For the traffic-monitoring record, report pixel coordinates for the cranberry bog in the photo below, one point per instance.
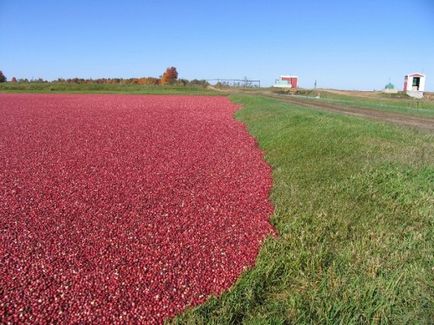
(131, 209)
(124, 208)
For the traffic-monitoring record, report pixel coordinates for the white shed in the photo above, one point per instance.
(414, 84)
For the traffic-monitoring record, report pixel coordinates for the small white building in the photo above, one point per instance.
(286, 82)
(414, 84)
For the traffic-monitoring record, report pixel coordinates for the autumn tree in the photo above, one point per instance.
(2, 77)
(169, 76)
(14, 80)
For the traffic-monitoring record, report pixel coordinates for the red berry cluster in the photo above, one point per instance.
(122, 208)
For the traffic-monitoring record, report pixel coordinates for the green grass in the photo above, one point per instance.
(354, 208)
(384, 102)
(94, 88)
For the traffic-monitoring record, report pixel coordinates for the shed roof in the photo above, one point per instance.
(415, 74)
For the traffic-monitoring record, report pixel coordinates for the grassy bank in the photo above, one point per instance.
(354, 208)
(94, 88)
(384, 102)
(399, 103)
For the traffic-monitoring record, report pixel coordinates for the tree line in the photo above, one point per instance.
(169, 77)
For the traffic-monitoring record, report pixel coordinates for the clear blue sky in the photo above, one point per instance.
(343, 44)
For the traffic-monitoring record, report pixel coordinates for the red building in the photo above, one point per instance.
(292, 80)
(287, 82)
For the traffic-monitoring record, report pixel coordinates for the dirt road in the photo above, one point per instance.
(392, 117)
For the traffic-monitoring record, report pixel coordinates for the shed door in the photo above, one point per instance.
(416, 83)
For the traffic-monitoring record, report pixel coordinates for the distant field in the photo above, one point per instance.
(93, 88)
(385, 102)
(377, 101)
(354, 211)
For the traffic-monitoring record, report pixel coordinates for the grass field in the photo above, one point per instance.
(384, 102)
(398, 103)
(35, 87)
(354, 209)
